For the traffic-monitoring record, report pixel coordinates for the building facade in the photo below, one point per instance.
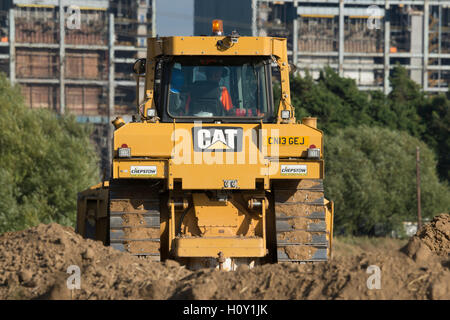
(360, 39)
(80, 64)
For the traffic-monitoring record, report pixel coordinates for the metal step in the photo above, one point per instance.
(121, 236)
(312, 215)
(300, 223)
(125, 221)
(313, 254)
(153, 256)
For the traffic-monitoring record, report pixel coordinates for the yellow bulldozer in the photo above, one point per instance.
(209, 172)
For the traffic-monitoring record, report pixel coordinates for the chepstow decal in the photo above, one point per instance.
(217, 139)
(143, 170)
(294, 170)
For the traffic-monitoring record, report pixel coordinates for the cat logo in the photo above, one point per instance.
(228, 139)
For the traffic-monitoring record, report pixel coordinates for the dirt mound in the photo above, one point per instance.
(34, 263)
(346, 278)
(431, 238)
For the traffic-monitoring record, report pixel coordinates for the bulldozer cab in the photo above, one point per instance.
(212, 89)
(213, 78)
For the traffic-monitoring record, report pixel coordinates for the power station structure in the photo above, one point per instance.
(360, 39)
(75, 56)
(81, 64)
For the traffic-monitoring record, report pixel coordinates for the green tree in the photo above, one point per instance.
(370, 174)
(405, 99)
(436, 117)
(44, 161)
(337, 103)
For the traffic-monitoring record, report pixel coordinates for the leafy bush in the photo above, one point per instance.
(337, 103)
(371, 176)
(44, 162)
(436, 115)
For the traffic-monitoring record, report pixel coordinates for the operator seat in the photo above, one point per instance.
(205, 97)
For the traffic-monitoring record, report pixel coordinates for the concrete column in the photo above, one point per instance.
(12, 47)
(341, 37)
(153, 18)
(62, 58)
(254, 18)
(417, 46)
(426, 17)
(111, 66)
(440, 43)
(387, 45)
(295, 36)
(110, 86)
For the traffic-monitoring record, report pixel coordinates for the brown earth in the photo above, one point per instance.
(433, 238)
(33, 265)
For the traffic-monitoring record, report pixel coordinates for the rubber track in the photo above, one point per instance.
(134, 220)
(300, 222)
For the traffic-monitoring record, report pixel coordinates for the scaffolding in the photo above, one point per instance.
(355, 38)
(85, 71)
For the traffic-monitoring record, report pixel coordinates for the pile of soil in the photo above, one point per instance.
(34, 262)
(432, 239)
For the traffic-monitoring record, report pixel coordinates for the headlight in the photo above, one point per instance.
(151, 113)
(285, 114)
(313, 152)
(124, 152)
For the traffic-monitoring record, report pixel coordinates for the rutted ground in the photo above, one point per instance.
(33, 265)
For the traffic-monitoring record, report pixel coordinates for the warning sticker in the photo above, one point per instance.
(143, 170)
(294, 170)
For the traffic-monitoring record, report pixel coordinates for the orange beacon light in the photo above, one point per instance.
(217, 27)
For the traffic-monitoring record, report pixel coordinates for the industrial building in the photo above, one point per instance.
(360, 39)
(80, 64)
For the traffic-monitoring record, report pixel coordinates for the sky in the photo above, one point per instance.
(175, 17)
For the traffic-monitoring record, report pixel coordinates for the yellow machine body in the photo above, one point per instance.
(248, 202)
